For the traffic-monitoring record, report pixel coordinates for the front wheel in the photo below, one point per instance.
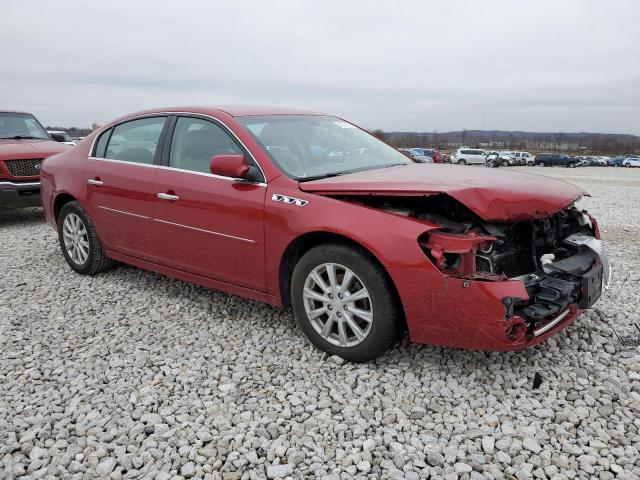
(505, 163)
(79, 241)
(572, 165)
(530, 164)
(627, 164)
(345, 303)
(462, 162)
(541, 164)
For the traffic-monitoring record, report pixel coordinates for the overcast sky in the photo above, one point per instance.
(397, 65)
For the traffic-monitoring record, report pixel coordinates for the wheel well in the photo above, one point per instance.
(59, 202)
(306, 242)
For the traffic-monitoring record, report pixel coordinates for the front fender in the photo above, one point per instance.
(391, 238)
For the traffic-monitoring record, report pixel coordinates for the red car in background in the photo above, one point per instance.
(24, 144)
(434, 154)
(304, 209)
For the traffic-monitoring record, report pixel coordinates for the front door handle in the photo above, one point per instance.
(168, 196)
(94, 181)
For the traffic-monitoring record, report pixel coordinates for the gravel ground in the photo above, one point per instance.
(133, 375)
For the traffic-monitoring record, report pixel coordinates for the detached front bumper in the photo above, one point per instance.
(504, 315)
(19, 194)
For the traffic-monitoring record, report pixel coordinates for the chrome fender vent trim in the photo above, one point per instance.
(298, 202)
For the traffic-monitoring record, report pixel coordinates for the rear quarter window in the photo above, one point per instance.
(101, 145)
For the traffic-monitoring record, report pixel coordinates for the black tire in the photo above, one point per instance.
(530, 164)
(541, 164)
(627, 165)
(505, 163)
(96, 260)
(462, 162)
(387, 319)
(571, 165)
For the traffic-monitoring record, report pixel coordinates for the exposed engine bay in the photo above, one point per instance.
(557, 257)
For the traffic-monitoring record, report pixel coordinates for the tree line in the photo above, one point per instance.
(515, 140)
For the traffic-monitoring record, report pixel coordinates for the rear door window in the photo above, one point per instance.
(136, 141)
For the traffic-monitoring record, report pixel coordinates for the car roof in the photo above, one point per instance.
(230, 110)
(16, 111)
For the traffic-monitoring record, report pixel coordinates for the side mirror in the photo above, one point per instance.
(57, 137)
(234, 166)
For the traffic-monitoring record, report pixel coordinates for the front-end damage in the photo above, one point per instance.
(557, 262)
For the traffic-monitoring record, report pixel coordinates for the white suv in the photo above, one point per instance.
(469, 156)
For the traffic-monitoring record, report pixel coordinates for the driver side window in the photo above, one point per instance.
(195, 141)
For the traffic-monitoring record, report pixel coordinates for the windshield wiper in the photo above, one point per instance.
(22, 137)
(324, 175)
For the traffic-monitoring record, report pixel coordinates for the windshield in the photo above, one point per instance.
(20, 126)
(314, 146)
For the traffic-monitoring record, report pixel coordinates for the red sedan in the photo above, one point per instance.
(308, 210)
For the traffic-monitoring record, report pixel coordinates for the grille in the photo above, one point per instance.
(24, 168)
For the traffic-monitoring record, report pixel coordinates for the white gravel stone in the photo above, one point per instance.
(131, 374)
(280, 471)
(488, 444)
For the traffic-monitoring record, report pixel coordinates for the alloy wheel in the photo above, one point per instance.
(76, 239)
(338, 305)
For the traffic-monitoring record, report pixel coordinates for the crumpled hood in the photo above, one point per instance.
(15, 149)
(494, 195)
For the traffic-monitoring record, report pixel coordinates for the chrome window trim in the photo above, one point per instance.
(204, 174)
(126, 162)
(164, 114)
(163, 167)
(248, 240)
(123, 212)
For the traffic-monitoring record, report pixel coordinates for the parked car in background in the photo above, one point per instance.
(631, 162)
(506, 159)
(616, 161)
(61, 136)
(434, 154)
(415, 154)
(523, 158)
(553, 160)
(24, 144)
(469, 156)
(362, 242)
(493, 159)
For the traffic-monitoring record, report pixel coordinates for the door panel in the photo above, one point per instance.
(206, 224)
(120, 181)
(214, 228)
(120, 201)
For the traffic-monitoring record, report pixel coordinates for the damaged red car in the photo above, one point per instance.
(308, 210)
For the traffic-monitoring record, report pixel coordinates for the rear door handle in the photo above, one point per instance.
(168, 196)
(95, 181)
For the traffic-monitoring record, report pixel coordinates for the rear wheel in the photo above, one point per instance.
(79, 241)
(530, 164)
(505, 163)
(345, 303)
(627, 164)
(572, 165)
(541, 164)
